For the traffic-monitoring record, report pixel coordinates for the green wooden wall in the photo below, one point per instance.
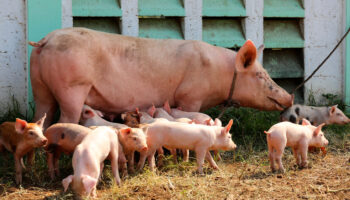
(43, 17)
(284, 43)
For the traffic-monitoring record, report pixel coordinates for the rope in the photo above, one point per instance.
(329, 55)
(229, 102)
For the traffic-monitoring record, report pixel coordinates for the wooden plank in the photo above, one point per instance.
(161, 28)
(224, 8)
(224, 32)
(105, 24)
(161, 8)
(284, 63)
(282, 33)
(96, 8)
(42, 18)
(283, 8)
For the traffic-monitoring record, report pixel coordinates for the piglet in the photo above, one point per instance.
(21, 138)
(197, 137)
(316, 115)
(298, 137)
(133, 139)
(90, 117)
(62, 137)
(197, 117)
(88, 158)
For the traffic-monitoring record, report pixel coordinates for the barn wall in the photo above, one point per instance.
(13, 57)
(321, 23)
(324, 26)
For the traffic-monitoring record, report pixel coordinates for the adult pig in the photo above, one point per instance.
(115, 73)
(316, 115)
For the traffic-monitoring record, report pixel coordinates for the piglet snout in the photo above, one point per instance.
(44, 142)
(144, 149)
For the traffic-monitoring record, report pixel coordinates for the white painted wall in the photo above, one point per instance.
(13, 58)
(324, 26)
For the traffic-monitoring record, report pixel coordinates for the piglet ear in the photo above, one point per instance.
(167, 107)
(123, 116)
(318, 129)
(126, 131)
(99, 113)
(151, 110)
(89, 183)
(217, 122)
(228, 126)
(66, 182)
(88, 113)
(305, 122)
(207, 122)
(41, 121)
(332, 110)
(145, 129)
(20, 125)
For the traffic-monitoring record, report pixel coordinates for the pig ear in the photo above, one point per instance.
(217, 122)
(332, 110)
(126, 131)
(167, 107)
(145, 129)
(318, 129)
(228, 126)
(260, 50)
(151, 110)
(207, 122)
(89, 183)
(99, 113)
(88, 113)
(123, 116)
(20, 125)
(246, 55)
(137, 111)
(66, 182)
(305, 122)
(41, 121)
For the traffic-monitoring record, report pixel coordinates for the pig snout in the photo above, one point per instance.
(144, 148)
(326, 142)
(44, 142)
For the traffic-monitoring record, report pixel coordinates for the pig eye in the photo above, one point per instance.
(338, 114)
(31, 133)
(134, 138)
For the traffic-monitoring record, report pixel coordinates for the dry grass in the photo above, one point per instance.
(327, 178)
(244, 174)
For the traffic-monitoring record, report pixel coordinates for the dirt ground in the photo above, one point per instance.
(326, 178)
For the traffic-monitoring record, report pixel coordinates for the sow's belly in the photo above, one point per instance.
(121, 97)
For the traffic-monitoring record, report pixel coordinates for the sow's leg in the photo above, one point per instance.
(71, 100)
(45, 101)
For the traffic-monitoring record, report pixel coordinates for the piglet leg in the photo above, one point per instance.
(18, 167)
